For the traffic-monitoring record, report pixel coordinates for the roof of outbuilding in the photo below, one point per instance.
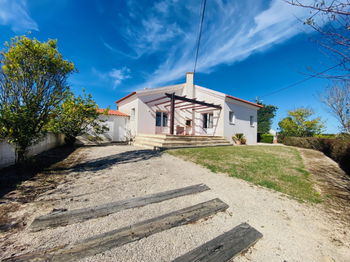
(112, 112)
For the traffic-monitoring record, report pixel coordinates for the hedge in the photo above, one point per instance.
(336, 148)
(266, 138)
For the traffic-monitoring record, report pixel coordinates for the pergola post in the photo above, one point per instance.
(172, 113)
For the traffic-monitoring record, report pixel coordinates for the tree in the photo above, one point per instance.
(297, 123)
(332, 20)
(76, 116)
(337, 99)
(33, 78)
(265, 117)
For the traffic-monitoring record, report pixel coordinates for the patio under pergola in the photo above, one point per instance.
(176, 102)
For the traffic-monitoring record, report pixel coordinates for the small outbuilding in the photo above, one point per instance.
(117, 123)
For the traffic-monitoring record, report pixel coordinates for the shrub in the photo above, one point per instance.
(239, 138)
(336, 148)
(326, 136)
(266, 138)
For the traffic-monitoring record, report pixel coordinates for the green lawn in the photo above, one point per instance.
(276, 167)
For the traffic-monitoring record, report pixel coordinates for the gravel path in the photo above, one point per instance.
(292, 231)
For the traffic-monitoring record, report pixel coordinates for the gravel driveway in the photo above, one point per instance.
(292, 231)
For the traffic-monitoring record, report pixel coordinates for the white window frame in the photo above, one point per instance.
(232, 120)
(133, 113)
(162, 123)
(210, 120)
(251, 120)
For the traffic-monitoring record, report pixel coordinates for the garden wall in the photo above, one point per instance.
(7, 151)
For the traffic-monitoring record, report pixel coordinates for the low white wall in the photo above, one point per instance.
(8, 155)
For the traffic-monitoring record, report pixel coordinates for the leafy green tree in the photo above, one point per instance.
(265, 117)
(298, 123)
(33, 78)
(76, 116)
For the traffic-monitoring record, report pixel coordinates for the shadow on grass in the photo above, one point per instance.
(115, 159)
(12, 176)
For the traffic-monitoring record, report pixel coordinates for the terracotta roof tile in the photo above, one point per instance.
(112, 112)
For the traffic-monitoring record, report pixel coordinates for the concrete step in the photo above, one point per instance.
(156, 139)
(192, 146)
(144, 140)
(195, 142)
(170, 141)
(175, 137)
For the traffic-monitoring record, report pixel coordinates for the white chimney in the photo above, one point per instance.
(190, 91)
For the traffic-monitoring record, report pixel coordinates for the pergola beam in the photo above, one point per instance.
(165, 102)
(178, 103)
(193, 101)
(156, 99)
(193, 107)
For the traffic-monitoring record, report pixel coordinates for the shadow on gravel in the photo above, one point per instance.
(12, 176)
(116, 159)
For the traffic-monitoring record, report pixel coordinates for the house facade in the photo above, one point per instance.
(188, 109)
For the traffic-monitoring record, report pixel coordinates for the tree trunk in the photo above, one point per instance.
(21, 155)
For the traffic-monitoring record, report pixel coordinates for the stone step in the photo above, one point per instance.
(183, 145)
(174, 137)
(142, 140)
(195, 143)
(191, 146)
(172, 141)
(156, 139)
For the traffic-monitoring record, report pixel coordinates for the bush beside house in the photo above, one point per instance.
(266, 138)
(336, 148)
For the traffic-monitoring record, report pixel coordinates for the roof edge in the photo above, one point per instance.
(125, 97)
(244, 101)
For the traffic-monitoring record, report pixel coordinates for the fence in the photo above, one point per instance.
(8, 155)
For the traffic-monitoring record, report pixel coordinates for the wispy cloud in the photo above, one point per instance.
(114, 76)
(15, 14)
(149, 31)
(233, 30)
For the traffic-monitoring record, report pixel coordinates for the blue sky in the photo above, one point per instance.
(249, 48)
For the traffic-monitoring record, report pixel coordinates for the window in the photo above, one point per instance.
(161, 119)
(165, 119)
(251, 119)
(132, 118)
(158, 118)
(208, 120)
(231, 117)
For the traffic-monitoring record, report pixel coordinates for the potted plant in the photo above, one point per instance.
(239, 139)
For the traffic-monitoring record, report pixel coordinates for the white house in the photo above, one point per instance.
(189, 110)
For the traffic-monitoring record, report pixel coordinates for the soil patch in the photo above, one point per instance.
(331, 181)
(22, 185)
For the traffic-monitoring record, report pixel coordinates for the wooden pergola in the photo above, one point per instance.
(182, 103)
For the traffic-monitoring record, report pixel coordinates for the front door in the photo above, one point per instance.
(162, 126)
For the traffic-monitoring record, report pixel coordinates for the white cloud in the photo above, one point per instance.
(114, 76)
(15, 14)
(118, 75)
(233, 30)
(147, 31)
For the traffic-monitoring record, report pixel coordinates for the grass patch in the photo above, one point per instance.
(276, 167)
